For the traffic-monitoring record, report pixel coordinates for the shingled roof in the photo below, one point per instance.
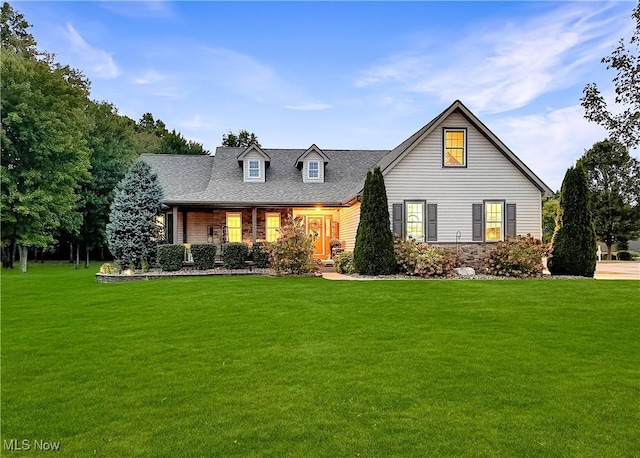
(218, 180)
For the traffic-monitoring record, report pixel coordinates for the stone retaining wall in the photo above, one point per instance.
(471, 254)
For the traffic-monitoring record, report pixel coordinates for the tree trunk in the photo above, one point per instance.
(24, 253)
(609, 245)
(71, 252)
(86, 264)
(77, 256)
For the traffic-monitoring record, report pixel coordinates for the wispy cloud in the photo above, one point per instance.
(151, 76)
(549, 142)
(139, 9)
(309, 107)
(496, 70)
(96, 62)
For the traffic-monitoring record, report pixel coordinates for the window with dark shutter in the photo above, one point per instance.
(432, 222)
(476, 216)
(511, 220)
(398, 220)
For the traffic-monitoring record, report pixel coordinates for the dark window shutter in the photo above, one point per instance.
(398, 220)
(511, 220)
(477, 222)
(432, 222)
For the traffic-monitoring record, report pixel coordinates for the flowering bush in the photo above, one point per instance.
(292, 252)
(424, 261)
(344, 263)
(520, 257)
(109, 268)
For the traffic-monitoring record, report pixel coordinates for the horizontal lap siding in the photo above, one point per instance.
(198, 224)
(488, 175)
(349, 219)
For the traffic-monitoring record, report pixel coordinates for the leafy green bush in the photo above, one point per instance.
(234, 255)
(292, 253)
(424, 261)
(343, 263)
(520, 257)
(259, 255)
(170, 257)
(624, 256)
(204, 256)
(110, 268)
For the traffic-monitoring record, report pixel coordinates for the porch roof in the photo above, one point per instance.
(344, 178)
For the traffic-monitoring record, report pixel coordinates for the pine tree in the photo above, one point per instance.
(373, 253)
(133, 231)
(574, 240)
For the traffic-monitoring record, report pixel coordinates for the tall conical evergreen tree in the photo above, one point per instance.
(373, 253)
(133, 230)
(574, 240)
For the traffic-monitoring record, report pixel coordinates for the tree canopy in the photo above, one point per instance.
(154, 137)
(244, 139)
(614, 184)
(623, 121)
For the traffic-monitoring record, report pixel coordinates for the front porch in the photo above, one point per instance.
(184, 225)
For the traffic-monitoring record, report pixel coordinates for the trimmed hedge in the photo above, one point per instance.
(204, 256)
(110, 268)
(234, 255)
(170, 257)
(260, 257)
(343, 263)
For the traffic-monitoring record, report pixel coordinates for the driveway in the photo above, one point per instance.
(617, 270)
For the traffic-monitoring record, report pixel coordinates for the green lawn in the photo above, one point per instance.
(308, 367)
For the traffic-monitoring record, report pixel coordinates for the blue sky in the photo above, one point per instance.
(357, 75)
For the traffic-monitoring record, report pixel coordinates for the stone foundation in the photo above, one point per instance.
(471, 254)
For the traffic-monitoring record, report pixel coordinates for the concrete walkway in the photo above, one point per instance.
(605, 270)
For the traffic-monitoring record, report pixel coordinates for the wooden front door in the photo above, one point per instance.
(315, 230)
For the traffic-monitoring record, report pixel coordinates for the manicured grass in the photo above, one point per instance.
(308, 367)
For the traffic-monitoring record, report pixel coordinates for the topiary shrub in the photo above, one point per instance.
(204, 256)
(169, 257)
(234, 255)
(520, 257)
(421, 260)
(574, 241)
(260, 255)
(292, 252)
(110, 268)
(373, 253)
(343, 263)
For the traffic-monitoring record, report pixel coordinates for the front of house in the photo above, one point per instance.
(452, 183)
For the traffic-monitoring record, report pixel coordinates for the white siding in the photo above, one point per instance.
(197, 226)
(253, 156)
(305, 168)
(488, 176)
(349, 220)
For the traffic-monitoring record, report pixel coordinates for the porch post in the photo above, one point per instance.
(254, 224)
(175, 225)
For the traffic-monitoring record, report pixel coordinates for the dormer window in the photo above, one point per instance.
(254, 169)
(313, 163)
(314, 170)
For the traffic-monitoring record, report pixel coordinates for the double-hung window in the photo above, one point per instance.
(314, 169)
(454, 152)
(415, 221)
(254, 169)
(493, 221)
(234, 227)
(273, 226)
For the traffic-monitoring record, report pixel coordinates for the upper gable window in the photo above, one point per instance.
(314, 169)
(254, 169)
(454, 152)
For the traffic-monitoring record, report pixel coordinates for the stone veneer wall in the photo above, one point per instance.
(471, 254)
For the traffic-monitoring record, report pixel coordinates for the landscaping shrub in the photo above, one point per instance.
(169, 257)
(260, 255)
(109, 268)
(343, 263)
(204, 256)
(520, 257)
(574, 241)
(424, 261)
(624, 256)
(292, 253)
(234, 255)
(373, 253)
